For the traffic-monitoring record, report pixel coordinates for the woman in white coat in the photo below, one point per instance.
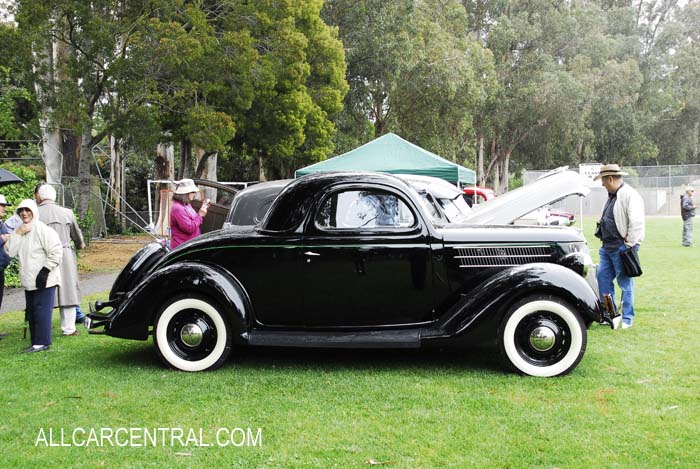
(39, 251)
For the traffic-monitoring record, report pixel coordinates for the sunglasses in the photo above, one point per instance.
(23, 209)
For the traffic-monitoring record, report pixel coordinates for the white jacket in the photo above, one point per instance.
(41, 247)
(629, 215)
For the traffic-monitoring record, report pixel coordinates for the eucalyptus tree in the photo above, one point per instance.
(376, 38)
(415, 69)
(671, 95)
(442, 85)
(76, 45)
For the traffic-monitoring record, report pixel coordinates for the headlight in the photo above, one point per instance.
(576, 257)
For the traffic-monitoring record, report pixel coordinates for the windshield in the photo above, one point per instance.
(456, 209)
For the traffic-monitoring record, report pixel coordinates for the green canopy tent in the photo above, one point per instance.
(392, 154)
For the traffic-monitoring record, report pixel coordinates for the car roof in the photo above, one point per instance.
(250, 204)
(292, 204)
(437, 187)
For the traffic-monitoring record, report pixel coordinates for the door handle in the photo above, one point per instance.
(311, 253)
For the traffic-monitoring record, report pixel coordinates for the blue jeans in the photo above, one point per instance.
(610, 268)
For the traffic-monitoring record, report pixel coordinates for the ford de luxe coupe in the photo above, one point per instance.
(355, 260)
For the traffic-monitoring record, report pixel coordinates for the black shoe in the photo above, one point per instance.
(80, 320)
(32, 349)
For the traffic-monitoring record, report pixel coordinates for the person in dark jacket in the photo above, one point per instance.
(621, 228)
(4, 257)
(688, 207)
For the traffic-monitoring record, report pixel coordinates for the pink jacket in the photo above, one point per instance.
(184, 223)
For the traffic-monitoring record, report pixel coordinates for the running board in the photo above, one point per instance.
(374, 339)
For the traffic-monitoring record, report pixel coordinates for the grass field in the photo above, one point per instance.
(632, 402)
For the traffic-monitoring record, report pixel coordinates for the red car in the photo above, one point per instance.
(477, 194)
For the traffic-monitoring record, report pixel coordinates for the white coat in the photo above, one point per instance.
(41, 247)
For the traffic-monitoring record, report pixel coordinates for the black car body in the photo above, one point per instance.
(352, 260)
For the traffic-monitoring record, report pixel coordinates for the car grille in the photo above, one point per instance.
(502, 256)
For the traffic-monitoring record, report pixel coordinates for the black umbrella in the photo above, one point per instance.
(8, 177)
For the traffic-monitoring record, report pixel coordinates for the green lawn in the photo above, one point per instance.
(632, 402)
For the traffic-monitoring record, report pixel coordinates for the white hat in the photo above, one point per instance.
(3, 200)
(690, 189)
(185, 186)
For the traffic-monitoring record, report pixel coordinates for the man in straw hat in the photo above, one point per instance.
(688, 207)
(621, 228)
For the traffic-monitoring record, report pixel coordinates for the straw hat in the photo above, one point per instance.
(610, 170)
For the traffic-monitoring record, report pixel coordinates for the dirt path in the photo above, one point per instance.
(89, 285)
(99, 266)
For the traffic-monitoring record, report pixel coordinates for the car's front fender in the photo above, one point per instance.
(487, 303)
(135, 312)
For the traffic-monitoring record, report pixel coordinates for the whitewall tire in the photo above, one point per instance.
(191, 334)
(542, 336)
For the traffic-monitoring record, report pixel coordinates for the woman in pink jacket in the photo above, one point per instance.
(184, 221)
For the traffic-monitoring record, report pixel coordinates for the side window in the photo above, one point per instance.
(366, 209)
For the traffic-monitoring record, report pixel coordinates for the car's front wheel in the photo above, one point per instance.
(542, 336)
(191, 334)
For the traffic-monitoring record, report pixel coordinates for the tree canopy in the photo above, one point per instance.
(263, 88)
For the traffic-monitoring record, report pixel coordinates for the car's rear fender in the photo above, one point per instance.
(134, 315)
(485, 305)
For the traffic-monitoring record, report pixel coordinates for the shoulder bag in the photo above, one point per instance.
(630, 262)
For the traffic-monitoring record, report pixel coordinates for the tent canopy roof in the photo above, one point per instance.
(392, 154)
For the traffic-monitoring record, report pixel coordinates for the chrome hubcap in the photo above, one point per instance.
(542, 338)
(191, 335)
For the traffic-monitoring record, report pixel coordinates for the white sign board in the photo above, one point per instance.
(589, 171)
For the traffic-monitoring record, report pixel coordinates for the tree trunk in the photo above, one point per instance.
(496, 178)
(51, 137)
(206, 169)
(492, 165)
(84, 163)
(261, 176)
(116, 181)
(53, 158)
(164, 169)
(185, 157)
(480, 161)
(505, 173)
(696, 141)
(579, 151)
(71, 148)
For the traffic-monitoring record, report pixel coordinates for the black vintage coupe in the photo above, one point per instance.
(354, 260)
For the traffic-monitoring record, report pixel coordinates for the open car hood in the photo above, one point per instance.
(549, 188)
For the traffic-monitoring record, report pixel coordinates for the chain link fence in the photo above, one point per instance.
(659, 186)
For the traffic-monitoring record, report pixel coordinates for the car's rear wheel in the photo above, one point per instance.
(542, 336)
(191, 334)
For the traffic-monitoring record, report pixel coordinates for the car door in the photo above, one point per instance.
(366, 261)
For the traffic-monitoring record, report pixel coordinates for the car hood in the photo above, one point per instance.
(550, 188)
(454, 233)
